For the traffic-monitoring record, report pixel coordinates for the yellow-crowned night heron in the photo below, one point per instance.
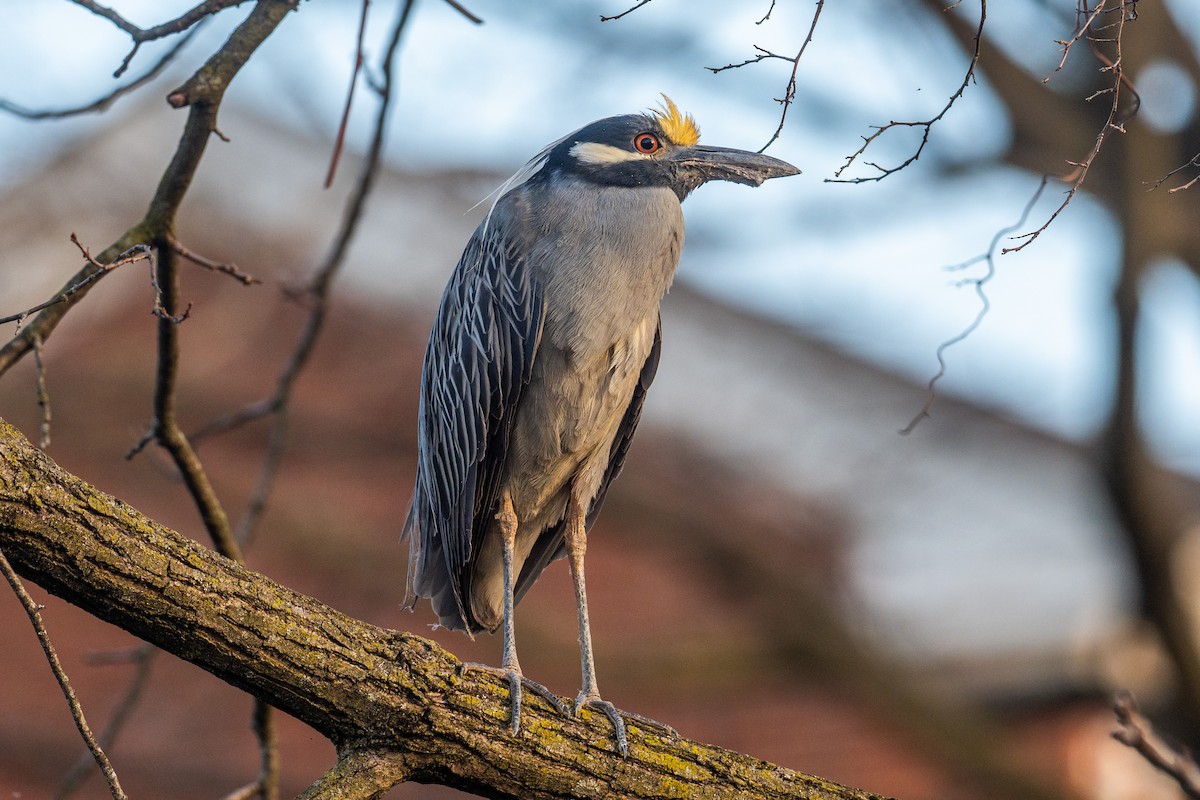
(543, 349)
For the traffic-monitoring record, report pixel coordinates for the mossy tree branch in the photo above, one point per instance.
(393, 703)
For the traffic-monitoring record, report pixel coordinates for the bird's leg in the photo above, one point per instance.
(510, 668)
(507, 518)
(589, 695)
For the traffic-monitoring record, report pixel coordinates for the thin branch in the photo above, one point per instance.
(165, 427)
(1194, 161)
(93, 272)
(43, 395)
(102, 103)
(767, 15)
(1114, 123)
(984, 305)
(763, 55)
(140, 36)
(789, 93)
(316, 295)
(1083, 26)
(925, 125)
(34, 611)
(224, 267)
(143, 656)
(170, 437)
(160, 310)
(340, 140)
(203, 91)
(1135, 731)
(266, 785)
(626, 11)
(111, 15)
(457, 6)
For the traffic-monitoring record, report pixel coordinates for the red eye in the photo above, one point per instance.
(646, 143)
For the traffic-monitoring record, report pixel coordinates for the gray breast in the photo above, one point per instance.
(605, 256)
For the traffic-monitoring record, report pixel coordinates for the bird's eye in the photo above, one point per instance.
(646, 143)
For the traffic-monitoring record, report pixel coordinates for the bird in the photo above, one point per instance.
(543, 348)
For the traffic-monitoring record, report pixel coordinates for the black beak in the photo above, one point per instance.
(727, 164)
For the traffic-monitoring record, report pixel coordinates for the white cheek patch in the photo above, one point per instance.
(595, 153)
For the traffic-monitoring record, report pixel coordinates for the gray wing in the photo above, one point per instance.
(550, 545)
(477, 364)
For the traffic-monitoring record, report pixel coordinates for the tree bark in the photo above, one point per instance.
(393, 703)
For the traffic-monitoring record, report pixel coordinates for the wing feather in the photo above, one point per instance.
(477, 364)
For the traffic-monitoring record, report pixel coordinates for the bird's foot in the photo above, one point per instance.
(617, 717)
(516, 680)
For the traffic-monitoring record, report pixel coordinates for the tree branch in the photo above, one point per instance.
(316, 294)
(1135, 731)
(926, 125)
(104, 101)
(190, 19)
(143, 656)
(203, 92)
(375, 693)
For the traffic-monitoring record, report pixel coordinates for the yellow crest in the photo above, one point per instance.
(680, 128)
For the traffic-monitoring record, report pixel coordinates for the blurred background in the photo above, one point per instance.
(779, 570)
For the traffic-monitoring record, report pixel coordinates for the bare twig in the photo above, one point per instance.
(763, 55)
(1114, 123)
(316, 294)
(140, 36)
(789, 93)
(1135, 731)
(34, 611)
(926, 126)
(340, 140)
(43, 395)
(266, 785)
(165, 427)
(1194, 161)
(1083, 27)
(457, 6)
(224, 267)
(203, 92)
(984, 305)
(626, 11)
(90, 274)
(143, 656)
(102, 103)
(50, 313)
(159, 310)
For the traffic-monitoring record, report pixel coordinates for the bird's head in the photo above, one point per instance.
(659, 148)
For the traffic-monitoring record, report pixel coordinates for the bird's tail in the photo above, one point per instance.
(412, 532)
(427, 577)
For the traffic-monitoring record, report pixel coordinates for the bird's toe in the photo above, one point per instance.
(517, 682)
(612, 712)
